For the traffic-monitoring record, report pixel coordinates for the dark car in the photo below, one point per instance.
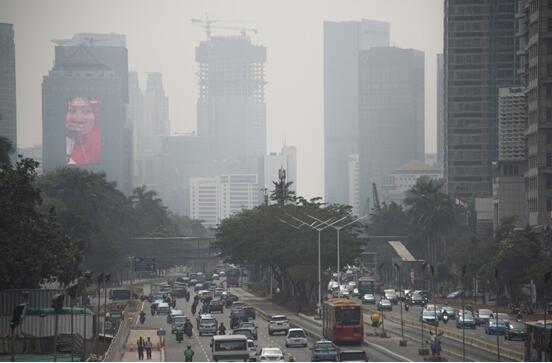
(216, 305)
(515, 330)
(455, 295)
(250, 312)
(351, 355)
(417, 299)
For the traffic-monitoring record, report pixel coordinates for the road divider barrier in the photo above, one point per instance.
(474, 342)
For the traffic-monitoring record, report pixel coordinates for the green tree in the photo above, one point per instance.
(34, 247)
(91, 210)
(151, 217)
(432, 212)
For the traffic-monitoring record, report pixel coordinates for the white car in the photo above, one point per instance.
(296, 337)
(252, 348)
(278, 323)
(207, 324)
(271, 355)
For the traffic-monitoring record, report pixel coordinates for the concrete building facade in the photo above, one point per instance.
(231, 109)
(216, 198)
(509, 195)
(391, 111)
(354, 184)
(8, 106)
(342, 43)
(539, 111)
(440, 111)
(89, 84)
(479, 54)
(404, 178)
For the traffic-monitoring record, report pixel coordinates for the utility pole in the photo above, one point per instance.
(463, 314)
(402, 342)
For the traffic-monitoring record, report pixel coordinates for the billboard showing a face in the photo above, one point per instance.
(82, 130)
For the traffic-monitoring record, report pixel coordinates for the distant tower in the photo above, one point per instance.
(342, 43)
(8, 119)
(231, 106)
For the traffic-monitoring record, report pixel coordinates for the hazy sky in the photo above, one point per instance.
(160, 37)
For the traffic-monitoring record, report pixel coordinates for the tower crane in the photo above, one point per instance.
(208, 23)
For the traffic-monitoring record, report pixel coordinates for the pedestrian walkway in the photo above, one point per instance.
(131, 353)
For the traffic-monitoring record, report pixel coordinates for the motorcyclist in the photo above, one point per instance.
(445, 317)
(222, 329)
(142, 317)
(194, 307)
(188, 328)
(152, 309)
(179, 333)
(188, 354)
(406, 306)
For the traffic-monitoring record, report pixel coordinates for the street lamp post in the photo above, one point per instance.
(496, 313)
(319, 226)
(99, 298)
(463, 314)
(546, 279)
(402, 342)
(107, 277)
(382, 315)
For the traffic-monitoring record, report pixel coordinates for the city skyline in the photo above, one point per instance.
(294, 71)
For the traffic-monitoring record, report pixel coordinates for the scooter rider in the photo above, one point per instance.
(142, 317)
(188, 354)
(222, 329)
(188, 328)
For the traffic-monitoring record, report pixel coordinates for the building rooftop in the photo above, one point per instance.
(416, 165)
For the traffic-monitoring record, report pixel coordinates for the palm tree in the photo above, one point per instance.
(6, 148)
(432, 211)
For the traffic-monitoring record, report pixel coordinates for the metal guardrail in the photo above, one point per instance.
(475, 342)
(116, 349)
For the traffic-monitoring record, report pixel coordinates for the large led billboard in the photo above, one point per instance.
(83, 130)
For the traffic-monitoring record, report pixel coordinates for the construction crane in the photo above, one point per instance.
(377, 205)
(208, 24)
(243, 31)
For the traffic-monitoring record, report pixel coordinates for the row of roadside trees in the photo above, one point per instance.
(55, 225)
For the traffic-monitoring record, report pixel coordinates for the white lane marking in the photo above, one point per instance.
(202, 347)
(138, 316)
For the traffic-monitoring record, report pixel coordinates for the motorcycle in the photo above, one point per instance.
(179, 336)
(406, 307)
(142, 318)
(445, 318)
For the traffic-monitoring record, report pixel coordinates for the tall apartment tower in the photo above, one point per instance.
(391, 113)
(8, 118)
(231, 108)
(539, 112)
(342, 43)
(509, 197)
(84, 100)
(480, 58)
(135, 116)
(440, 111)
(156, 108)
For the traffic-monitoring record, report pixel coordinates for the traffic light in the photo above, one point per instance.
(57, 302)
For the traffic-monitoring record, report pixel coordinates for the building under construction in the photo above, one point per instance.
(231, 109)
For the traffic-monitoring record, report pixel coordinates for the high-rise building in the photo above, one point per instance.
(342, 43)
(135, 116)
(216, 198)
(8, 118)
(269, 166)
(354, 184)
(156, 108)
(509, 198)
(84, 99)
(440, 111)
(391, 113)
(539, 111)
(231, 105)
(480, 57)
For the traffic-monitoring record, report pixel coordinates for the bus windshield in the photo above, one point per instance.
(347, 315)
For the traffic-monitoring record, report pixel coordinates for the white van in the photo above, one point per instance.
(229, 348)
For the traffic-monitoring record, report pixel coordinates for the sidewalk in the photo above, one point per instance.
(131, 353)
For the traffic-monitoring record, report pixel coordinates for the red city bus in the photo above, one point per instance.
(343, 321)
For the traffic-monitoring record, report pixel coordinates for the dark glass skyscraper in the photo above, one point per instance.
(342, 43)
(8, 119)
(479, 59)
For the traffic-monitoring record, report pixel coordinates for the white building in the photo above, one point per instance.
(354, 184)
(214, 199)
(404, 178)
(270, 164)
